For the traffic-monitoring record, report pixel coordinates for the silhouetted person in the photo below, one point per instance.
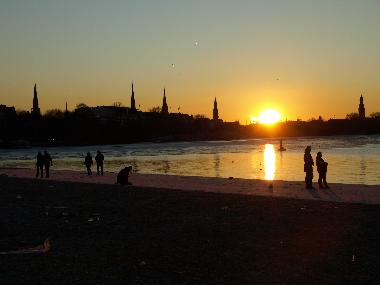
(281, 147)
(308, 168)
(322, 170)
(122, 177)
(99, 158)
(47, 162)
(88, 162)
(40, 165)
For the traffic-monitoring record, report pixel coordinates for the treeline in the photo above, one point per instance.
(82, 127)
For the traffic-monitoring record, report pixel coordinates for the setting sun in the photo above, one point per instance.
(269, 117)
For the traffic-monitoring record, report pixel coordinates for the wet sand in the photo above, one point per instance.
(110, 234)
(349, 193)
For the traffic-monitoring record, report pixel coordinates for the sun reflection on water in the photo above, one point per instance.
(269, 162)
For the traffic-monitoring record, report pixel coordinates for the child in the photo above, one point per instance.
(322, 171)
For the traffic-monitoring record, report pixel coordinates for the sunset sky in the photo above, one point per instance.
(302, 57)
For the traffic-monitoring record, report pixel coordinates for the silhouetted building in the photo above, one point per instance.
(133, 103)
(7, 112)
(164, 109)
(361, 108)
(110, 113)
(215, 112)
(35, 110)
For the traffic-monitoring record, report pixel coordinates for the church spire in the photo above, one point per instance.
(164, 109)
(215, 111)
(35, 109)
(361, 108)
(133, 103)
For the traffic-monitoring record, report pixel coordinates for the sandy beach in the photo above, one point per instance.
(110, 234)
(349, 193)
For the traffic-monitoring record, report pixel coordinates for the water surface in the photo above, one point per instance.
(352, 159)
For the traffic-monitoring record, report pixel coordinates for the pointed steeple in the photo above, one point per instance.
(35, 109)
(164, 109)
(215, 111)
(133, 103)
(361, 108)
(66, 110)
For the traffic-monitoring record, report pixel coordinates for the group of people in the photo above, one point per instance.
(43, 160)
(308, 169)
(99, 158)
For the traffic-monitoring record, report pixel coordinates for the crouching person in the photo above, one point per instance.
(122, 177)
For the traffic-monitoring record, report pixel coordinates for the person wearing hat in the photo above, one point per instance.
(322, 171)
(308, 167)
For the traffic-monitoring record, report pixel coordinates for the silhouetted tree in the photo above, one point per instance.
(199, 116)
(352, 116)
(54, 113)
(83, 111)
(81, 105)
(155, 110)
(20, 112)
(118, 104)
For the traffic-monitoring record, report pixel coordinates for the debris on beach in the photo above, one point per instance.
(43, 248)
(94, 218)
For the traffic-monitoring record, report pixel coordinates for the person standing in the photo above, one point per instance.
(88, 162)
(322, 171)
(308, 167)
(47, 162)
(40, 165)
(99, 158)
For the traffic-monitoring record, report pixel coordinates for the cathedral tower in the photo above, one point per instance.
(35, 110)
(164, 109)
(361, 108)
(133, 103)
(215, 112)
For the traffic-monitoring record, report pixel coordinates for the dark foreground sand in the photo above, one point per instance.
(106, 234)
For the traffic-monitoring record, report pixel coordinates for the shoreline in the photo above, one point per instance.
(110, 234)
(338, 192)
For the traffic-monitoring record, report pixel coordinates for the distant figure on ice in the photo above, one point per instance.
(308, 167)
(281, 147)
(122, 177)
(47, 162)
(88, 162)
(40, 165)
(99, 158)
(322, 171)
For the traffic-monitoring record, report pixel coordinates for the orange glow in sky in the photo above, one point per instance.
(247, 54)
